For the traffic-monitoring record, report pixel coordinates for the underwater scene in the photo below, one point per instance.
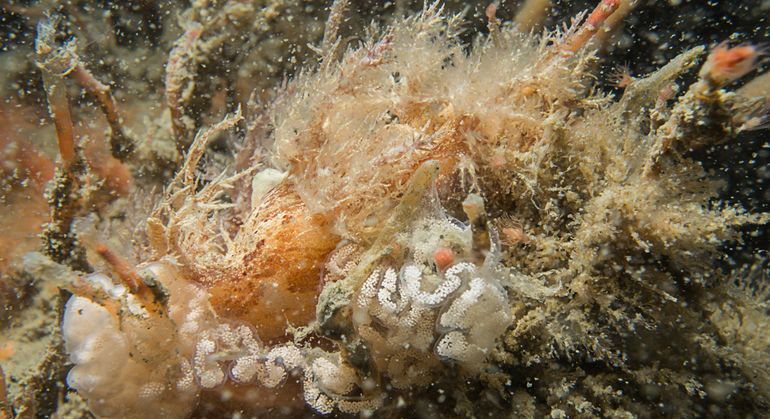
(384, 209)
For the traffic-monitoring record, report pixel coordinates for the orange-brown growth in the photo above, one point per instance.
(249, 398)
(725, 64)
(65, 132)
(122, 145)
(274, 278)
(595, 20)
(6, 351)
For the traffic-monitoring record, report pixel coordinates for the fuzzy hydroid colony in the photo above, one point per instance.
(367, 269)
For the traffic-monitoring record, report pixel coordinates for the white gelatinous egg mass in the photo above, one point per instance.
(109, 347)
(245, 368)
(475, 319)
(100, 354)
(454, 346)
(92, 339)
(334, 377)
(208, 371)
(459, 313)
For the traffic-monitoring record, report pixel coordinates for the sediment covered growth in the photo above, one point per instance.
(417, 223)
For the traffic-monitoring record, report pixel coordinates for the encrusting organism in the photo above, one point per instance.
(426, 223)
